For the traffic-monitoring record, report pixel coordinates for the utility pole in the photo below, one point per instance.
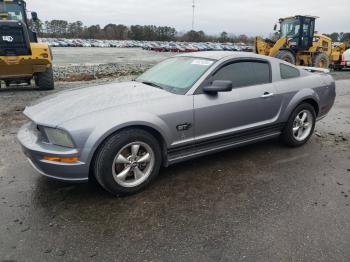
(193, 7)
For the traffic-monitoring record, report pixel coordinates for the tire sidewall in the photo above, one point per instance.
(109, 150)
(288, 131)
(283, 54)
(45, 80)
(319, 57)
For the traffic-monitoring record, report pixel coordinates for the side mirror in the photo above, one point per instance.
(218, 86)
(275, 27)
(34, 16)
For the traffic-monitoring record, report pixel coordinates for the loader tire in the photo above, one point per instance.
(321, 60)
(286, 56)
(44, 80)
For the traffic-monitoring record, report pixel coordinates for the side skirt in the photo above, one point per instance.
(180, 154)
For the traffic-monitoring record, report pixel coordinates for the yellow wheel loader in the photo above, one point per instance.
(22, 58)
(299, 44)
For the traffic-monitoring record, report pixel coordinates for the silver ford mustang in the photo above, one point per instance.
(184, 107)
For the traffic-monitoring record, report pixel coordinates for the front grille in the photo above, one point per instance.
(13, 41)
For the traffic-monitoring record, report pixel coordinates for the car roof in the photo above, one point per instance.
(218, 55)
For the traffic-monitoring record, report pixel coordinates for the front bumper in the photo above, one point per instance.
(28, 136)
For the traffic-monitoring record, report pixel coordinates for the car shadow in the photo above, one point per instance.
(200, 168)
(18, 88)
(231, 178)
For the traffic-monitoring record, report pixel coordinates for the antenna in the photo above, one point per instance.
(193, 7)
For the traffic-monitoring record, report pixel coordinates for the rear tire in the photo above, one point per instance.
(286, 56)
(299, 130)
(118, 166)
(337, 68)
(321, 60)
(44, 80)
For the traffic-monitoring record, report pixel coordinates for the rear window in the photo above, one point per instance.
(288, 72)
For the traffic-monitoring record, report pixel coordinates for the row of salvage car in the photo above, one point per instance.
(148, 45)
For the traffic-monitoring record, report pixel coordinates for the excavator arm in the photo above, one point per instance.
(278, 45)
(269, 48)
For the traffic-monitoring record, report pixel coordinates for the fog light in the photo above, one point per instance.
(62, 159)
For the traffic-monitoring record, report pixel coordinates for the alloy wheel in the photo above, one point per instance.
(302, 125)
(133, 164)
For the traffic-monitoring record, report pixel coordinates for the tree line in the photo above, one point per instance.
(339, 37)
(65, 29)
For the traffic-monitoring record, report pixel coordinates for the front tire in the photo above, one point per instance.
(321, 60)
(300, 126)
(286, 56)
(127, 162)
(44, 80)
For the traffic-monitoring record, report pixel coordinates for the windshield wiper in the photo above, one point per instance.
(152, 84)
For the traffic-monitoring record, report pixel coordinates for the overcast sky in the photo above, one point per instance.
(213, 16)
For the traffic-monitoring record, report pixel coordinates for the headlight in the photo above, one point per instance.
(58, 137)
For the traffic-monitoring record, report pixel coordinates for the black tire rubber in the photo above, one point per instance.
(104, 157)
(45, 80)
(319, 58)
(36, 80)
(337, 68)
(286, 56)
(287, 135)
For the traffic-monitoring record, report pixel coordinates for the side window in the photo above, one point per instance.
(245, 73)
(288, 72)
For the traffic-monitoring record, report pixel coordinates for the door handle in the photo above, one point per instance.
(267, 95)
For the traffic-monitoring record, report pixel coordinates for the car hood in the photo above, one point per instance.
(67, 105)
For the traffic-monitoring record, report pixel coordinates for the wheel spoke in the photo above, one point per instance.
(135, 150)
(295, 129)
(306, 125)
(122, 175)
(145, 158)
(138, 173)
(122, 160)
(300, 132)
(303, 118)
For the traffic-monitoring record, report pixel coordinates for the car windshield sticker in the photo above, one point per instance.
(202, 62)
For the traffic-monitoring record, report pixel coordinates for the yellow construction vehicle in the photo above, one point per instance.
(22, 58)
(299, 44)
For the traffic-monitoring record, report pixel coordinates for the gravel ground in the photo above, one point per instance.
(264, 202)
(96, 56)
(84, 64)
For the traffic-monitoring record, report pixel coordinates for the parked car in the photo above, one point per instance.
(185, 107)
(157, 46)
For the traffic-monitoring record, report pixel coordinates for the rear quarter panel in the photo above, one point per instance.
(318, 87)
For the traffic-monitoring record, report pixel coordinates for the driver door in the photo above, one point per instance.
(252, 103)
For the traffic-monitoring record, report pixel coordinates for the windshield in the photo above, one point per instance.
(290, 28)
(15, 11)
(176, 75)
